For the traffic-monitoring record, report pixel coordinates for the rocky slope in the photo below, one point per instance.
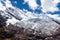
(38, 22)
(24, 25)
(14, 32)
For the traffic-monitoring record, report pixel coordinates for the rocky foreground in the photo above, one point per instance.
(13, 32)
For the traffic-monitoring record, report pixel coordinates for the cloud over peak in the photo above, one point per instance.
(32, 4)
(49, 5)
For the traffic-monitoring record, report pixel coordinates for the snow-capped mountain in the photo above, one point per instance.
(26, 19)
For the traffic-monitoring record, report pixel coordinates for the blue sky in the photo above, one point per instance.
(22, 6)
(25, 6)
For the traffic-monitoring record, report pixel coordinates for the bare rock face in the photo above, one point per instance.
(2, 21)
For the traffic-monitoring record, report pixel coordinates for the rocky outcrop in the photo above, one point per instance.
(16, 33)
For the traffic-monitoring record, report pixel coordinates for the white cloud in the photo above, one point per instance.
(49, 5)
(32, 4)
(35, 15)
(15, 2)
(55, 16)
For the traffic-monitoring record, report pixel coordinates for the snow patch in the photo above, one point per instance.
(55, 17)
(12, 21)
(2, 7)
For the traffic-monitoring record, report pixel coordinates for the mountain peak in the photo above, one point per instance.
(28, 20)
